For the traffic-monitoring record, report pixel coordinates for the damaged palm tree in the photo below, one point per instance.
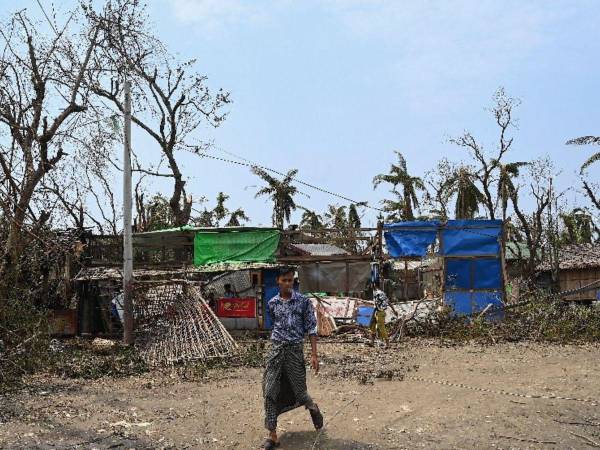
(174, 324)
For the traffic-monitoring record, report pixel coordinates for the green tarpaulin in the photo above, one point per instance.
(235, 246)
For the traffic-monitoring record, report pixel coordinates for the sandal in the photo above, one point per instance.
(270, 444)
(317, 417)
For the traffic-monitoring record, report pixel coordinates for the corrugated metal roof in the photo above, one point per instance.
(320, 249)
(576, 256)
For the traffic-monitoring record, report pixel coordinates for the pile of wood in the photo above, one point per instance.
(326, 325)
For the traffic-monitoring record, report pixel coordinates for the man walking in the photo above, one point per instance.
(284, 380)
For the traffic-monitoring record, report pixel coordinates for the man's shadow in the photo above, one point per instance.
(305, 439)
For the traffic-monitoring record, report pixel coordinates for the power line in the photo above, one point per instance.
(304, 183)
(46, 16)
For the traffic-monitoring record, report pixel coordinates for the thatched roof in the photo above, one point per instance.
(115, 273)
(577, 256)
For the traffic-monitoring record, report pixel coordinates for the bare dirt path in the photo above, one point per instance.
(378, 398)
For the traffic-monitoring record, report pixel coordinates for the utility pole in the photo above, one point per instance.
(127, 242)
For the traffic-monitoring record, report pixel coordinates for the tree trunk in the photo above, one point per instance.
(489, 202)
(408, 212)
(181, 213)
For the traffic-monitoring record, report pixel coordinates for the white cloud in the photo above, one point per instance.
(446, 46)
(433, 47)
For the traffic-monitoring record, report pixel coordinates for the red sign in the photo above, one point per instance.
(236, 307)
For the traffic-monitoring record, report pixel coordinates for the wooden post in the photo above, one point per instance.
(347, 287)
(128, 337)
(380, 251)
(405, 293)
(502, 238)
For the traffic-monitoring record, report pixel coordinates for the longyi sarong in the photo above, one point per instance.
(284, 381)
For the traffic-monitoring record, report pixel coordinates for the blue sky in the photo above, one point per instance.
(333, 87)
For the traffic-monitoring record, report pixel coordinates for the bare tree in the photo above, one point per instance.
(438, 195)
(591, 191)
(532, 225)
(45, 110)
(487, 172)
(170, 99)
(84, 197)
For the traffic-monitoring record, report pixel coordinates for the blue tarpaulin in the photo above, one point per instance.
(404, 239)
(471, 237)
(472, 302)
(471, 249)
(473, 273)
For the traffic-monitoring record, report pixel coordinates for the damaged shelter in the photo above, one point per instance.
(470, 266)
(233, 269)
(404, 278)
(208, 258)
(326, 268)
(578, 269)
(334, 269)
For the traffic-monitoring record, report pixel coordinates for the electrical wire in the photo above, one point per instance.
(46, 16)
(304, 183)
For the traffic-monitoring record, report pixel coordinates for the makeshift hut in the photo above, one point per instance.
(246, 258)
(97, 287)
(328, 269)
(405, 279)
(471, 254)
(331, 261)
(209, 258)
(578, 270)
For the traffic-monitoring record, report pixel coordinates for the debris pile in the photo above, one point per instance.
(175, 324)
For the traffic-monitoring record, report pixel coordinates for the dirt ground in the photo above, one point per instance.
(371, 399)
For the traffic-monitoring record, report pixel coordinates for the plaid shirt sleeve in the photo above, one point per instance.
(310, 318)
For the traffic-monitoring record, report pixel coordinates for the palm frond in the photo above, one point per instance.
(289, 176)
(513, 168)
(401, 161)
(591, 160)
(265, 176)
(382, 178)
(264, 191)
(584, 140)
